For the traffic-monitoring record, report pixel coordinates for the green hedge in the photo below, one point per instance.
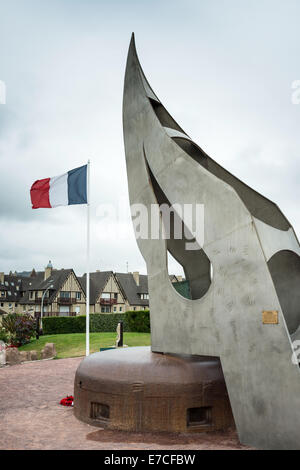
(135, 321)
(107, 322)
(98, 322)
(138, 320)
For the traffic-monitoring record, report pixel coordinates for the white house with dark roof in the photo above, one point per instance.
(65, 293)
(62, 291)
(135, 289)
(106, 296)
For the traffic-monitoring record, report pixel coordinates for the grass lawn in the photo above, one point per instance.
(73, 345)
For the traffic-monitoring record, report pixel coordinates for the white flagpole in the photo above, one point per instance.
(87, 351)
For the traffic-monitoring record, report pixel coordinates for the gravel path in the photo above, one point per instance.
(31, 417)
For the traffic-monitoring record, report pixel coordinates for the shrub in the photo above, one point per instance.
(138, 320)
(9, 323)
(61, 325)
(135, 321)
(25, 328)
(98, 323)
(20, 328)
(3, 335)
(107, 323)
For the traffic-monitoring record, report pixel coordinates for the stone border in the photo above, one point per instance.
(14, 356)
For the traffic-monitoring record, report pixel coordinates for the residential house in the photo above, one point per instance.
(135, 289)
(12, 289)
(106, 296)
(62, 293)
(58, 289)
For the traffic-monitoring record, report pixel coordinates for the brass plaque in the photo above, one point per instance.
(270, 317)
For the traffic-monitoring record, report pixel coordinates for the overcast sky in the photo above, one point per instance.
(223, 68)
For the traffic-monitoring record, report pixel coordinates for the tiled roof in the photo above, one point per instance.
(14, 286)
(132, 290)
(97, 284)
(57, 279)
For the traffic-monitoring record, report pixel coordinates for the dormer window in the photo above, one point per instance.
(105, 295)
(144, 296)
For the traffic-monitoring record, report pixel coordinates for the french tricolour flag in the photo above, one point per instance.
(64, 190)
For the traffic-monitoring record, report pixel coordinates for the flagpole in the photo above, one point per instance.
(87, 351)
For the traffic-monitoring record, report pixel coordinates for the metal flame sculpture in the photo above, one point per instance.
(247, 312)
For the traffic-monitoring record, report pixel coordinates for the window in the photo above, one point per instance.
(78, 295)
(116, 295)
(121, 308)
(16, 305)
(65, 294)
(9, 292)
(134, 308)
(2, 294)
(2, 304)
(99, 411)
(105, 295)
(12, 284)
(115, 309)
(199, 416)
(31, 295)
(6, 283)
(105, 309)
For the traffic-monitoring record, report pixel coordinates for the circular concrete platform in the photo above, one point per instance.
(134, 389)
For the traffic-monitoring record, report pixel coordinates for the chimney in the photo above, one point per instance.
(2, 278)
(136, 277)
(48, 271)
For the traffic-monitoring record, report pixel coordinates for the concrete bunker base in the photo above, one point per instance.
(134, 389)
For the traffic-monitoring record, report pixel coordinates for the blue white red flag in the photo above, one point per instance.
(63, 190)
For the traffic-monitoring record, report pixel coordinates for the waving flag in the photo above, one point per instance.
(70, 188)
(64, 190)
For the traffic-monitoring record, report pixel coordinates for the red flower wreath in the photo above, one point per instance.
(68, 401)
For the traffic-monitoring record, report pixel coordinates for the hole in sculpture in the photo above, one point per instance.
(99, 411)
(258, 205)
(195, 263)
(201, 416)
(284, 267)
(164, 117)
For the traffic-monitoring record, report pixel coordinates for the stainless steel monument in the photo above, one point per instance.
(244, 280)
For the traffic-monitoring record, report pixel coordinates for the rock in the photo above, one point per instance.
(48, 351)
(12, 356)
(2, 354)
(33, 355)
(24, 356)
